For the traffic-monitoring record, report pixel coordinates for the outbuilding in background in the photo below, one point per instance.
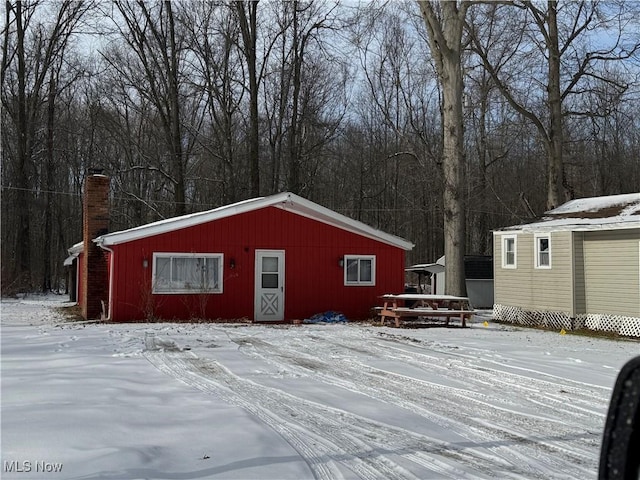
(478, 271)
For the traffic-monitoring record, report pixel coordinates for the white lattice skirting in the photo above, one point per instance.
(626, 326)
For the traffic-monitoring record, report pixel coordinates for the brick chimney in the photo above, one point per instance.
(95, 222)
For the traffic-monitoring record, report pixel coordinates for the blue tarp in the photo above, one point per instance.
(327, 317)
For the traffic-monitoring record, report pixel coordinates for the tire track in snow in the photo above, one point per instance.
(541, 392)
(379, 386)
(501, 424)
(571, 403)
(590, 396)
(323, 436)
(558, 424)
(184, 367)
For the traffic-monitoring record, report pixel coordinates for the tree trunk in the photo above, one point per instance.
(555, 141)
(176, 126)
(454, 178)
(294, 151)
(49, 165)
(247, 16)
(483, 165)
(22, 152)
(445, 40)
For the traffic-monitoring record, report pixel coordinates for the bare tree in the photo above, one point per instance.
(556, 37)
(303, 91)
(445, 22)
(34, 44)
(305, 25)
(150, 33)
(398, 119)
(603, 156)
(184, 97)
(213, 39)
(247, 15)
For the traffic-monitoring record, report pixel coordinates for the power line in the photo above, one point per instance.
(213, 205)
(79, 195)
(35, 190)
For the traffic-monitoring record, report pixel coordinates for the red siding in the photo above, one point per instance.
(313, 279)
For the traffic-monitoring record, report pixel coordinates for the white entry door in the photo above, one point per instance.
(269, 300)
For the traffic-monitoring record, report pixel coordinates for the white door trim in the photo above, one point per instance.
(269, 294)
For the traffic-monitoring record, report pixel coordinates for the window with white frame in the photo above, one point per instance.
(509, 251)
(543, 251)
(359, 270)
(187, 272)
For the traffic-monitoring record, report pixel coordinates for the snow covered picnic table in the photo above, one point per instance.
(417, 305)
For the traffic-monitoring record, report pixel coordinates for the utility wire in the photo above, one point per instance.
(213, 205)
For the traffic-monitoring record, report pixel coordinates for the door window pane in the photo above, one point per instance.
(269, 264)
(269, 280)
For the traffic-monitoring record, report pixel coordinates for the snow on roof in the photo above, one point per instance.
(425, 268)
(595, 213)
(286, 201)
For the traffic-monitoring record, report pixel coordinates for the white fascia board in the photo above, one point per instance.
(507, 231)
(177, 223)
(69, 260)
(76, 249)
(553, 226)
(605, 226)
(426, 267)
(598, 227)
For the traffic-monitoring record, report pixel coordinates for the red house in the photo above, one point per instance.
(275, 258)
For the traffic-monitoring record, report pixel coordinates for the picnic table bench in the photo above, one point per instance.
(413, 306)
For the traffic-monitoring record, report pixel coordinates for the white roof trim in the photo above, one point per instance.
(74, 252)
(426, 267)
(286, 201)
(565, 227)
(76, 249)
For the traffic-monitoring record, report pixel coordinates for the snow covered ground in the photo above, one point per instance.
(190, 401)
